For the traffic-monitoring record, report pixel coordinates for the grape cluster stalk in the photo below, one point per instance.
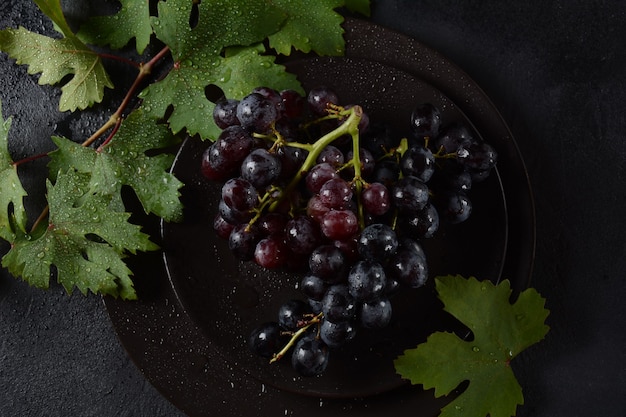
(318, 188)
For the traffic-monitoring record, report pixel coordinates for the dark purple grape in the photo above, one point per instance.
(454, 207)
(328, 263)
(291, 314)
(260, 168)
(291, 159)
(273, 96)
(310, 356)
(410, 194)
(376, 199)
(242, 241)
(233, 216)
(316, 209)
(214, 166)
(386, 172)
(367, 281)
(313, 287)
(338, 304)
(272, 223)
(367, 164)
(408, 265)
(453, 137)
(378, 242)
(319, 99)
(225, 113)
(335, 335)
(234, 144)
(293, 104)
(271, 252)
(421, 224)
(379, 140)
(318, 175)
(222, 227)
(419, 162)
(256, 113)
(239, 194)
(376, 314)
(266, 339)
(425, 120)
(336, 194)
(477, 157)
(339, 224)
(302, 235)
(331, 155)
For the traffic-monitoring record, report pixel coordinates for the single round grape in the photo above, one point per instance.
(313, 287)
(222, 227)
(386, 172)
(338, 304)
(366, 281)
(271, 252)
(378, 242)
(242, 241)
(234, 144)
(256, 113)
(331, 155)
(335, 335)
(409, 265)
(291, 159)
(453, 137)
(225, 113)
(376, 314)
(454, 207)
(339, 224)
(266, 339)
(320, 98)
(336, 194)
(310, 356)
(302, 235)
(425, 120)
(272, 223)
(239, 194)
(233, 216)
(421, 224)
(328, 263)
(214, 166)
(273, 96)
(319, 175)
(291, 314)
(376, 199)
(478, 157)
(293, 104)
(316, 208)
(410, 194)
(419, 162)
(260, 168)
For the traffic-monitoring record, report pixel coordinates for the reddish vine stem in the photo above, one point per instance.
(120, 59)
(114, 121)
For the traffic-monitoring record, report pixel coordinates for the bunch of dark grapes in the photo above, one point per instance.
(313, 186)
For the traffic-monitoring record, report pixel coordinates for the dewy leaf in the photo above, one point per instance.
(199, 63)
(52, 9)
(310, 26)
(55, 59)
(359, 6)
(501, 331)
(117, 30)
(130, 158)
(12, 212)
(85, 242)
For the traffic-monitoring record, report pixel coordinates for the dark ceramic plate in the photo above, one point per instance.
(187, 334)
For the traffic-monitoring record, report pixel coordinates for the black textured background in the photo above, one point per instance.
(557, 72)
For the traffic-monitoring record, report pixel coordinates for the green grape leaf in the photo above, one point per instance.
(236, 74)
(55, 59)
(310, 26)
(130, 158)
(85, 242)
(132, 21)
(199, 58)
(501, 331)
(12, 213)
(52, 9)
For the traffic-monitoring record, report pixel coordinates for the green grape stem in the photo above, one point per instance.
(294, 338)
(350, 126)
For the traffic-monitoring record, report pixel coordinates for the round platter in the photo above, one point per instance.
(187, 333)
